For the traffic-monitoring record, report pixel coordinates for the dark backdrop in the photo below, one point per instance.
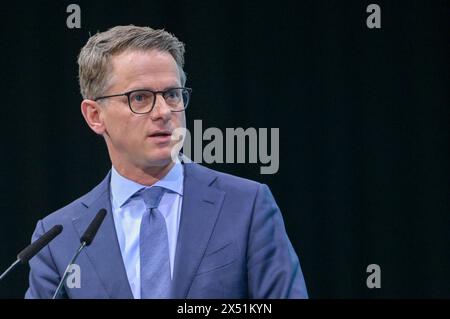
(363, 117)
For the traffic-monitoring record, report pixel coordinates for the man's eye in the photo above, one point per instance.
(172, 94)
(139, 97)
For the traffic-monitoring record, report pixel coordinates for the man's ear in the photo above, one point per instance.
(91, 111)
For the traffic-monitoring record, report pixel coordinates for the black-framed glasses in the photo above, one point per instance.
(143, 101)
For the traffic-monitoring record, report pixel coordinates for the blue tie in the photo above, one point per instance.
(154, 248)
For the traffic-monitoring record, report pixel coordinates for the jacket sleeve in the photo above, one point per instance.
(44, 277)
(273, 266)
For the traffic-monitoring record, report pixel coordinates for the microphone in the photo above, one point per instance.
(25, 255)
(85, 240)
(93, 227)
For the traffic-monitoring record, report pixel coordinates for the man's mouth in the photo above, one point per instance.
(162, 137)
(161, 133)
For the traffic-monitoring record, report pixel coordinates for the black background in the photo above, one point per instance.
(363, 117)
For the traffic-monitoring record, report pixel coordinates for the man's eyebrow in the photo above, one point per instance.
(168, 87)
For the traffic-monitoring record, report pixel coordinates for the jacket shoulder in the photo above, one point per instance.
(72, 210)
(224, 181)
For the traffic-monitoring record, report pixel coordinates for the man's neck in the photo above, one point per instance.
(144, 176)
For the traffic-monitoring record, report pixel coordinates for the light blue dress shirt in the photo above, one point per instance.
(128, 212)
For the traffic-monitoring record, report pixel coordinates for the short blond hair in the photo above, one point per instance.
(94, 61)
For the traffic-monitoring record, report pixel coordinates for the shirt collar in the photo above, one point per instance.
(123, 188)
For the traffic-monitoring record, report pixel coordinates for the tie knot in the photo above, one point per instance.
(152, 196)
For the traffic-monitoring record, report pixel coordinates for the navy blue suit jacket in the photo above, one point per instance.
(232, 243)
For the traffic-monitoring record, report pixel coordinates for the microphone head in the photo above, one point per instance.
(93, 227)
(38, 244)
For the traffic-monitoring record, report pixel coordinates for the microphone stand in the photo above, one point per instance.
(66, 272)
(9, 269)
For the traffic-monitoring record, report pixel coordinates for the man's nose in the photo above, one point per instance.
(160, 109)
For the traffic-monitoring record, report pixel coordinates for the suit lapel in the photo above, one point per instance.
(104, 252)
(200, 209)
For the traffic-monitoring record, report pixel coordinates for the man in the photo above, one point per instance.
(172, 229)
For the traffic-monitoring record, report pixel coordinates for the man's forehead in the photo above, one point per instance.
(143, 62)
(145, 68)
(154, 57)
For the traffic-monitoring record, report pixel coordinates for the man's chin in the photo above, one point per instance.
(160, 160)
